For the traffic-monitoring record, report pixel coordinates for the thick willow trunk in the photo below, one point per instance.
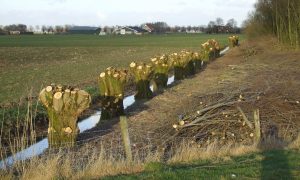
(143, 90)
(111, 107)
(179, 73)
(111, 86)
(63, 105)
(160, 80)
(63, 129)
(190, 68)
(198, 65)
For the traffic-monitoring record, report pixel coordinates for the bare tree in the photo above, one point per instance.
(31, 28)
(219, 21)
(37, 28)
(44, 28)
(232, 23)
(59, 29)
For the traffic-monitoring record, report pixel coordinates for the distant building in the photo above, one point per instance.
(192, 31)
(102, 33)
(148, 27)
(2, 32)
(84, 30)
(14, 32)
(126, 30)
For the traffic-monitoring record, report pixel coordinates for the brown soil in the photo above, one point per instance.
(267, 78)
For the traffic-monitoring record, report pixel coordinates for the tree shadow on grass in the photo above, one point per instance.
(275, 163)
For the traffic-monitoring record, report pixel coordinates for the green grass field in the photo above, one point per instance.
(277, 164)
(31, 62)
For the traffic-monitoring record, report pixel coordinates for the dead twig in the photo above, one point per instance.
(245, 117)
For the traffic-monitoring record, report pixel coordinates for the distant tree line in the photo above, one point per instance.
(216, 26)
(44, 29)
(278, 17)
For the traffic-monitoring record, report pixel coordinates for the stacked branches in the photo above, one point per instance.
(111, 86)
(64, 104)
(142, 73)
(219, 119)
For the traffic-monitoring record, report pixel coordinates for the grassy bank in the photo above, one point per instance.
(277, 164)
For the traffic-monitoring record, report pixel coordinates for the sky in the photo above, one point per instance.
(121, 12)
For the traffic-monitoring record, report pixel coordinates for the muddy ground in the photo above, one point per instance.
(256, 75)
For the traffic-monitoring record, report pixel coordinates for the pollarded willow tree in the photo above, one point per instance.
(142, 73)
(183, 64)
(197, 59)
(111, 86)
(210, 50)
(233, 41)
(161, 67)
(64, 104)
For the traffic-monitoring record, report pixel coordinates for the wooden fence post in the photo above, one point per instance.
(125, 137)
(257, 126)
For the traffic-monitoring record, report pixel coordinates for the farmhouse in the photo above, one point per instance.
(148, 27)
(123, 30)
(14, 32)
(84, 30)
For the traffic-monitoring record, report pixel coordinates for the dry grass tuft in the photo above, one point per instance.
(189, 152)
(47, 169)
(109, 166)
(69, 166)
(295, 144)
(100, 163)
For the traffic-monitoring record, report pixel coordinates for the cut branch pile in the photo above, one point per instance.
(222, 121)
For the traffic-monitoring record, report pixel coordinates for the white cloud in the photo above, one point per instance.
(112, 12)
(101, 15)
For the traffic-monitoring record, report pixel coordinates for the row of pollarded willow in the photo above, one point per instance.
(64, 104)
(185, 64)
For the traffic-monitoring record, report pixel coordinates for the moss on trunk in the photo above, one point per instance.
(64, 105)
(160, 80)
(111, 85)
(142, 74)
(143, 90)
(179, 73)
